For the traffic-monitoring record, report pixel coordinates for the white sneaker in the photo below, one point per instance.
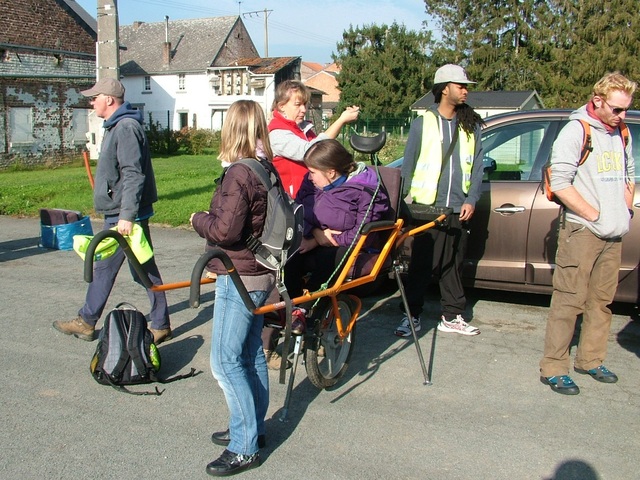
(457, 325)
(404, 329)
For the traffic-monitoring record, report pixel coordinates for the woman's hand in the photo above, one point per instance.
(191, 217)
(350, 114)
(325, 237)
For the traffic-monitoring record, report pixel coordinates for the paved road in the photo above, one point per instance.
(486, 416)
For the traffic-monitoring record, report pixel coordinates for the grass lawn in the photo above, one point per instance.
(185, 184)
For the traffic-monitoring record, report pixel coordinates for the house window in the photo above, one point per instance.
(184, 119)
(147, 83)
(181, 82)
(80, 125)
(21, 125)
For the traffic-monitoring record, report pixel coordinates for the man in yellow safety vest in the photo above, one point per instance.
(443, 167)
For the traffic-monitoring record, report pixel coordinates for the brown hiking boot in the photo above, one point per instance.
(161, 335)
(76, 327)
(274, 360)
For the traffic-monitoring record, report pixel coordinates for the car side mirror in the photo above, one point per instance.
(489, 165)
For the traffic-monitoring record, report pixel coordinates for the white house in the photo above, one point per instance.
(186, 73)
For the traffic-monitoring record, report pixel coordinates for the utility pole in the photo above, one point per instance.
(266, 27)
(107, 49)
(107, 64)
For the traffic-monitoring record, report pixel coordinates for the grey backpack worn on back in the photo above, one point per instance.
(283, 228)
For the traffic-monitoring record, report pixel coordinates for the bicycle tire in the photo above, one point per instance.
(325, 370)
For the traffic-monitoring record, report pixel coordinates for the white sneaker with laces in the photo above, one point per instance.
(457, 325)
(404, 329)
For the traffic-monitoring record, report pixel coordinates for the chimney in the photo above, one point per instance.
(166, 48)
(137, 24)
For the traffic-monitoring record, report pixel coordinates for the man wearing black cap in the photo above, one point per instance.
(124, 192)
(443, 167)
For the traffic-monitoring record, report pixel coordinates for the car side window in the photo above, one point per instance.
(517, 149)
(634, 129)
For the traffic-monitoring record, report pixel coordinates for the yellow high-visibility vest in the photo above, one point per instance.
(424, 185)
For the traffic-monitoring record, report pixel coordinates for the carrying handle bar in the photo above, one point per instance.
(198, 269)
(91, 250)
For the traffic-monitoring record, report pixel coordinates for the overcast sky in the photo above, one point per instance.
(308, 29)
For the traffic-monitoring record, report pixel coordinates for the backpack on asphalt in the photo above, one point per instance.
(586, 149)
(126, 354)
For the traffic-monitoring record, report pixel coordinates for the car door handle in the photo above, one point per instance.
(637, 205)
(509, 209)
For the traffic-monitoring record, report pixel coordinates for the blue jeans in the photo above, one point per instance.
(239, 365)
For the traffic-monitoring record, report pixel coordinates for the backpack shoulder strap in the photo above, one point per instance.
(587, 148)
(624, 133)
(137, 327)
(121, 329)
(258, 169)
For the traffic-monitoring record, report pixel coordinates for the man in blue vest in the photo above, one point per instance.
(443, 167)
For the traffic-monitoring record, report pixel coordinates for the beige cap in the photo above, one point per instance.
(451, 73)
(105, 86)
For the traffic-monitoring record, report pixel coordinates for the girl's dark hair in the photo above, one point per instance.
(330, 154)
(467, 117)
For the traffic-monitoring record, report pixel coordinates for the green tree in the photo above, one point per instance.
(502, 43)
(558, 47)
(511, 52)
(591, 38)
(455, 21)
(383, 69)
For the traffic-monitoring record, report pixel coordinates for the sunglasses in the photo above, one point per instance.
(616, 110)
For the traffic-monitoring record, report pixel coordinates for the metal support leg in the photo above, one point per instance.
(425, 373)
(297, 349)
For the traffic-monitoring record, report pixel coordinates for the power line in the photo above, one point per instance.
(298, 33)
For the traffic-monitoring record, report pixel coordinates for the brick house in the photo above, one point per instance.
(324, 79)
(47, 55)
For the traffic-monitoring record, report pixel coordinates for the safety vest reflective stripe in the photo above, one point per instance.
(424, 185)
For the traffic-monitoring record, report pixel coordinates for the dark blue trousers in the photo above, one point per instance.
(104, 277)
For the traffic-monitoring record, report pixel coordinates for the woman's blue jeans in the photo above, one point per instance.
(238, 364)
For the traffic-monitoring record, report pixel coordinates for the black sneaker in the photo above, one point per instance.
(561, 384)
(230, 463)
(224, 439)
(601, 374)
